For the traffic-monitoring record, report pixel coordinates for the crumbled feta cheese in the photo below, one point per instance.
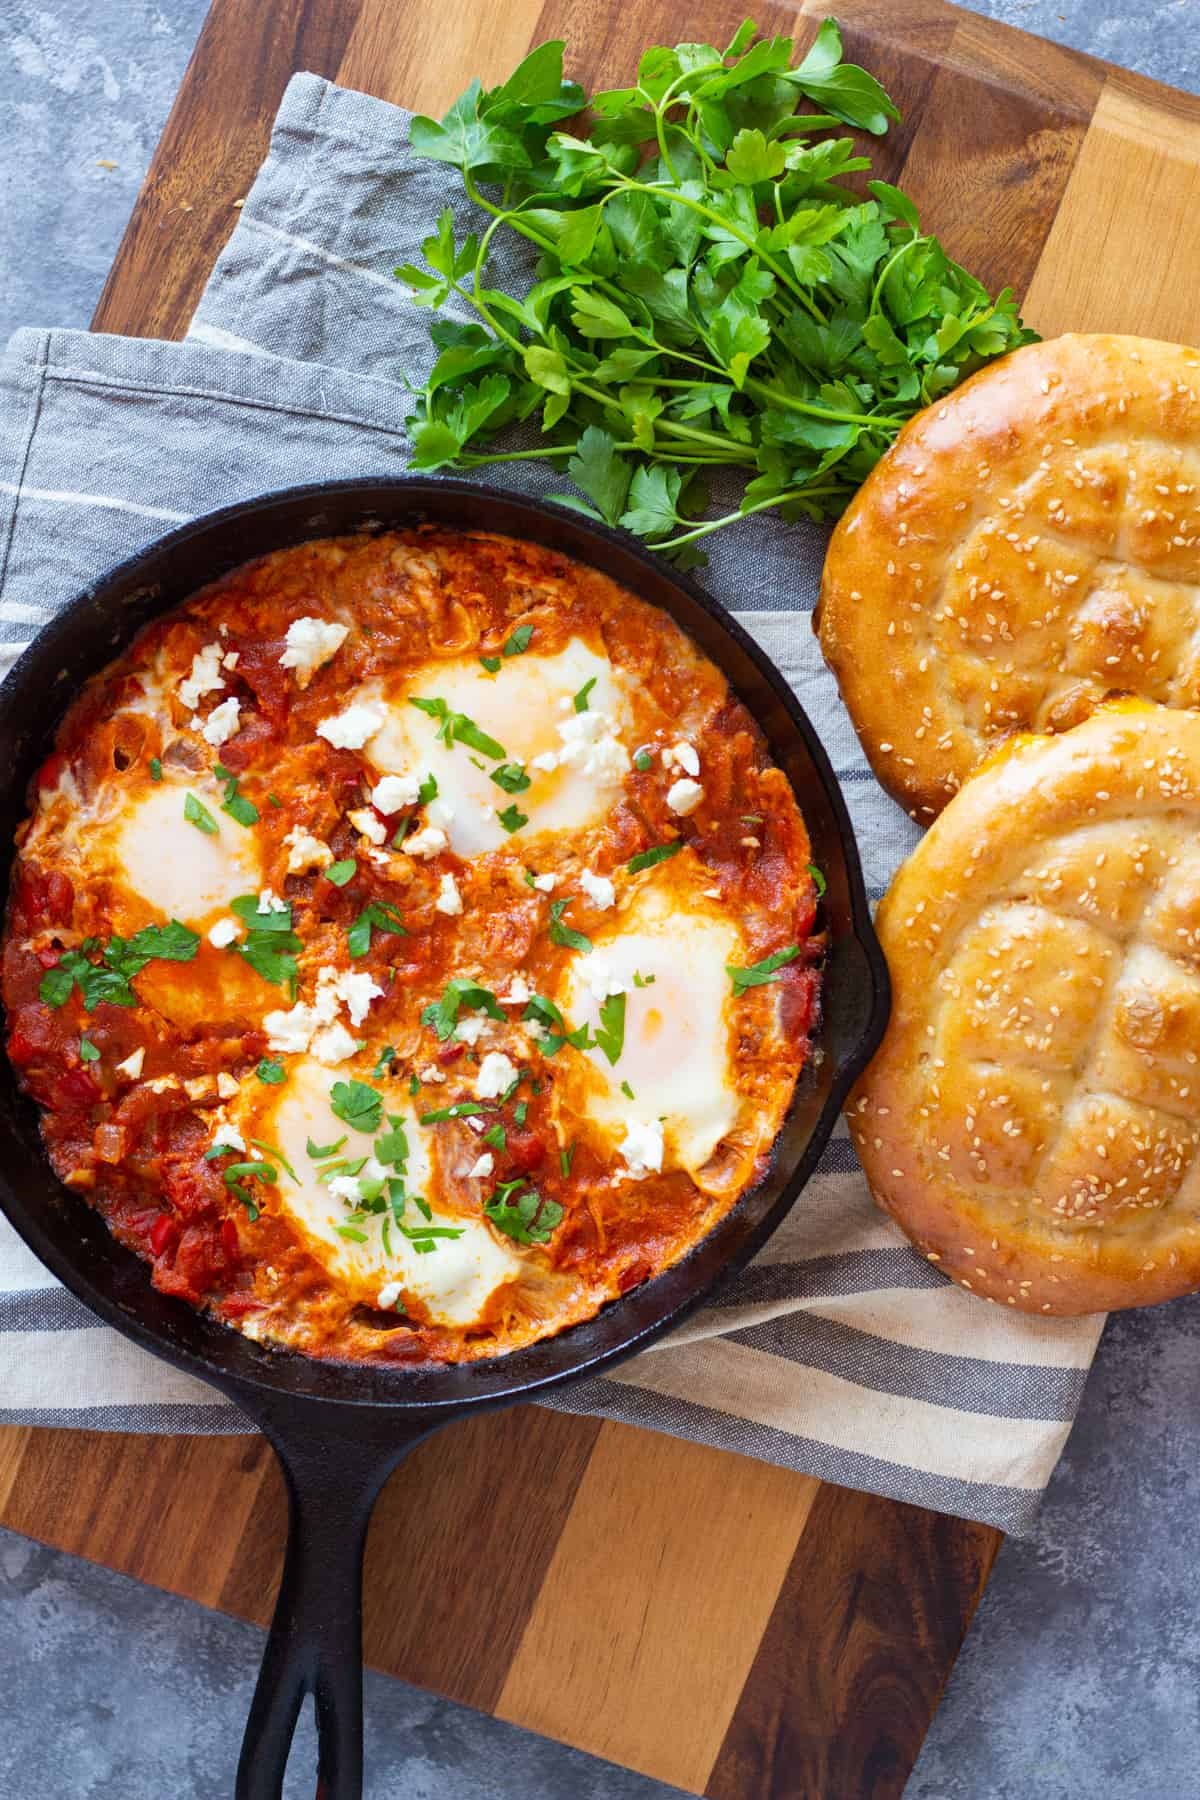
(684, 796)
(270, 902)
(598, 974)
(306, 852)
(221, 723)
(643, 1147)
(132, 1066)
(290, 1031)
(545, 884)
(519, 992)
(231, 659)
(472, 1028)
(496, 1075)
(311, 642)
(599, 889)
(373, 829)
(163, 1084)
(333, 1044)
(354, 988)
(589, 745)
(391, 792)
(430, 841)
(205, 678)
(345, 1187)
(482, 1166)
(351, 729)
(380, 858)
(223, 933)
(449, 899)
(229, 1138)
(227, 1085)
(712, 893)
(682, 756)
(431, 1073)
(388, 1295)
(201, 1088)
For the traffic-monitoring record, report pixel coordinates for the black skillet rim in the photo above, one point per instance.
(409, 492)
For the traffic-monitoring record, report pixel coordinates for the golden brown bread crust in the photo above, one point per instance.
(1032, 1119)
(1028, 546)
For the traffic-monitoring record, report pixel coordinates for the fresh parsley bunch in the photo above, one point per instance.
(709, 292)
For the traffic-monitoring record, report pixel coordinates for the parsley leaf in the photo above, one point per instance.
(646, 859)
(88, 1052)
(356, 1104)
(155, 769)
(524, 1217)
(542, 1011)
(710, 221)
(819, 881)
(270, 1071)
(643, 760)
(198, 815)
(386, 1058)
(490, 663)
(518, 643)
(456, 727)
(511, 777)
(566, 934)
(270, 946)
(442, 1015)
(341, 872)
(319, 1152)
(122, 958)
(512, 818)
(236, 804)
(609, 1036)
(581, 698)
(377, 915)
(759, 973)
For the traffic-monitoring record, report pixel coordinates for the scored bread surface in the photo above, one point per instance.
(1029, 546)
(1032, 1119)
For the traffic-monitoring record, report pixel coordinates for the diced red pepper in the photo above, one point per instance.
(161, 1233)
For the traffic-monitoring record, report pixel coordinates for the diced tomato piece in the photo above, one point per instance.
(75, 1087)
(229, 1239)
(634, 1275)
(524, 1151)
(60, 897)
(161, 1233)
(450, 1053)
(50, 773)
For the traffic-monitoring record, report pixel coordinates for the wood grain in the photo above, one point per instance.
(734, 1628)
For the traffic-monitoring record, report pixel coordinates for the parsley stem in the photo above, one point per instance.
(743, 512)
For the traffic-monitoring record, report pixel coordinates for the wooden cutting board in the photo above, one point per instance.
(726, 1626)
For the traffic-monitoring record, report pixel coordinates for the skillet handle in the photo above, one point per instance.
(315, 1641)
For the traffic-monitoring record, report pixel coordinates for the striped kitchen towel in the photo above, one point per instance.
(839, 1351)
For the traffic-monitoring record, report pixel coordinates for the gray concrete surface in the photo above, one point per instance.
(1080, 1678)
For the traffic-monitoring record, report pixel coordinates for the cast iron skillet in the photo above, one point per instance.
(340, 1430)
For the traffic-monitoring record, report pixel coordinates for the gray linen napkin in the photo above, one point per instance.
(840, 1351)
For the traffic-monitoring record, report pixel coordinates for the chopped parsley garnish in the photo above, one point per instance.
(387, 1057)
(319, 1152)
(819, 881)
(356, 1105)
(232, 1177)
(490, 663)
(521, 1112)
(642, 760)
(609, 1035)
(524, 1217)
(392, 1148)
(348, 1231)
(427, 790)
(456, 727)
(442, 1015)
(640, 981)
(341, 872)
(235, 804)
(529, 878)
(199, 816)
(88, 1051)
(545, 1013)
(270, 945)
(462, 1109)
(155, 769)
(496, 1138)
(627, 1090)
(581, 698)
(274, 800)
(275, 1155)
(566, 934)
(646, 859)
(378, 915)
(402, 830)
(414, 1086)
(565, 1158)
(511, 777)
(271, 1072)
(346, 1165)
(512, 818)
(123, 958)
(759, 973)
(518, 643)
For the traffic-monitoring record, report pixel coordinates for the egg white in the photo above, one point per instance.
(176, 868)
(454, 1280)
(521, 707)
(677, 1056)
